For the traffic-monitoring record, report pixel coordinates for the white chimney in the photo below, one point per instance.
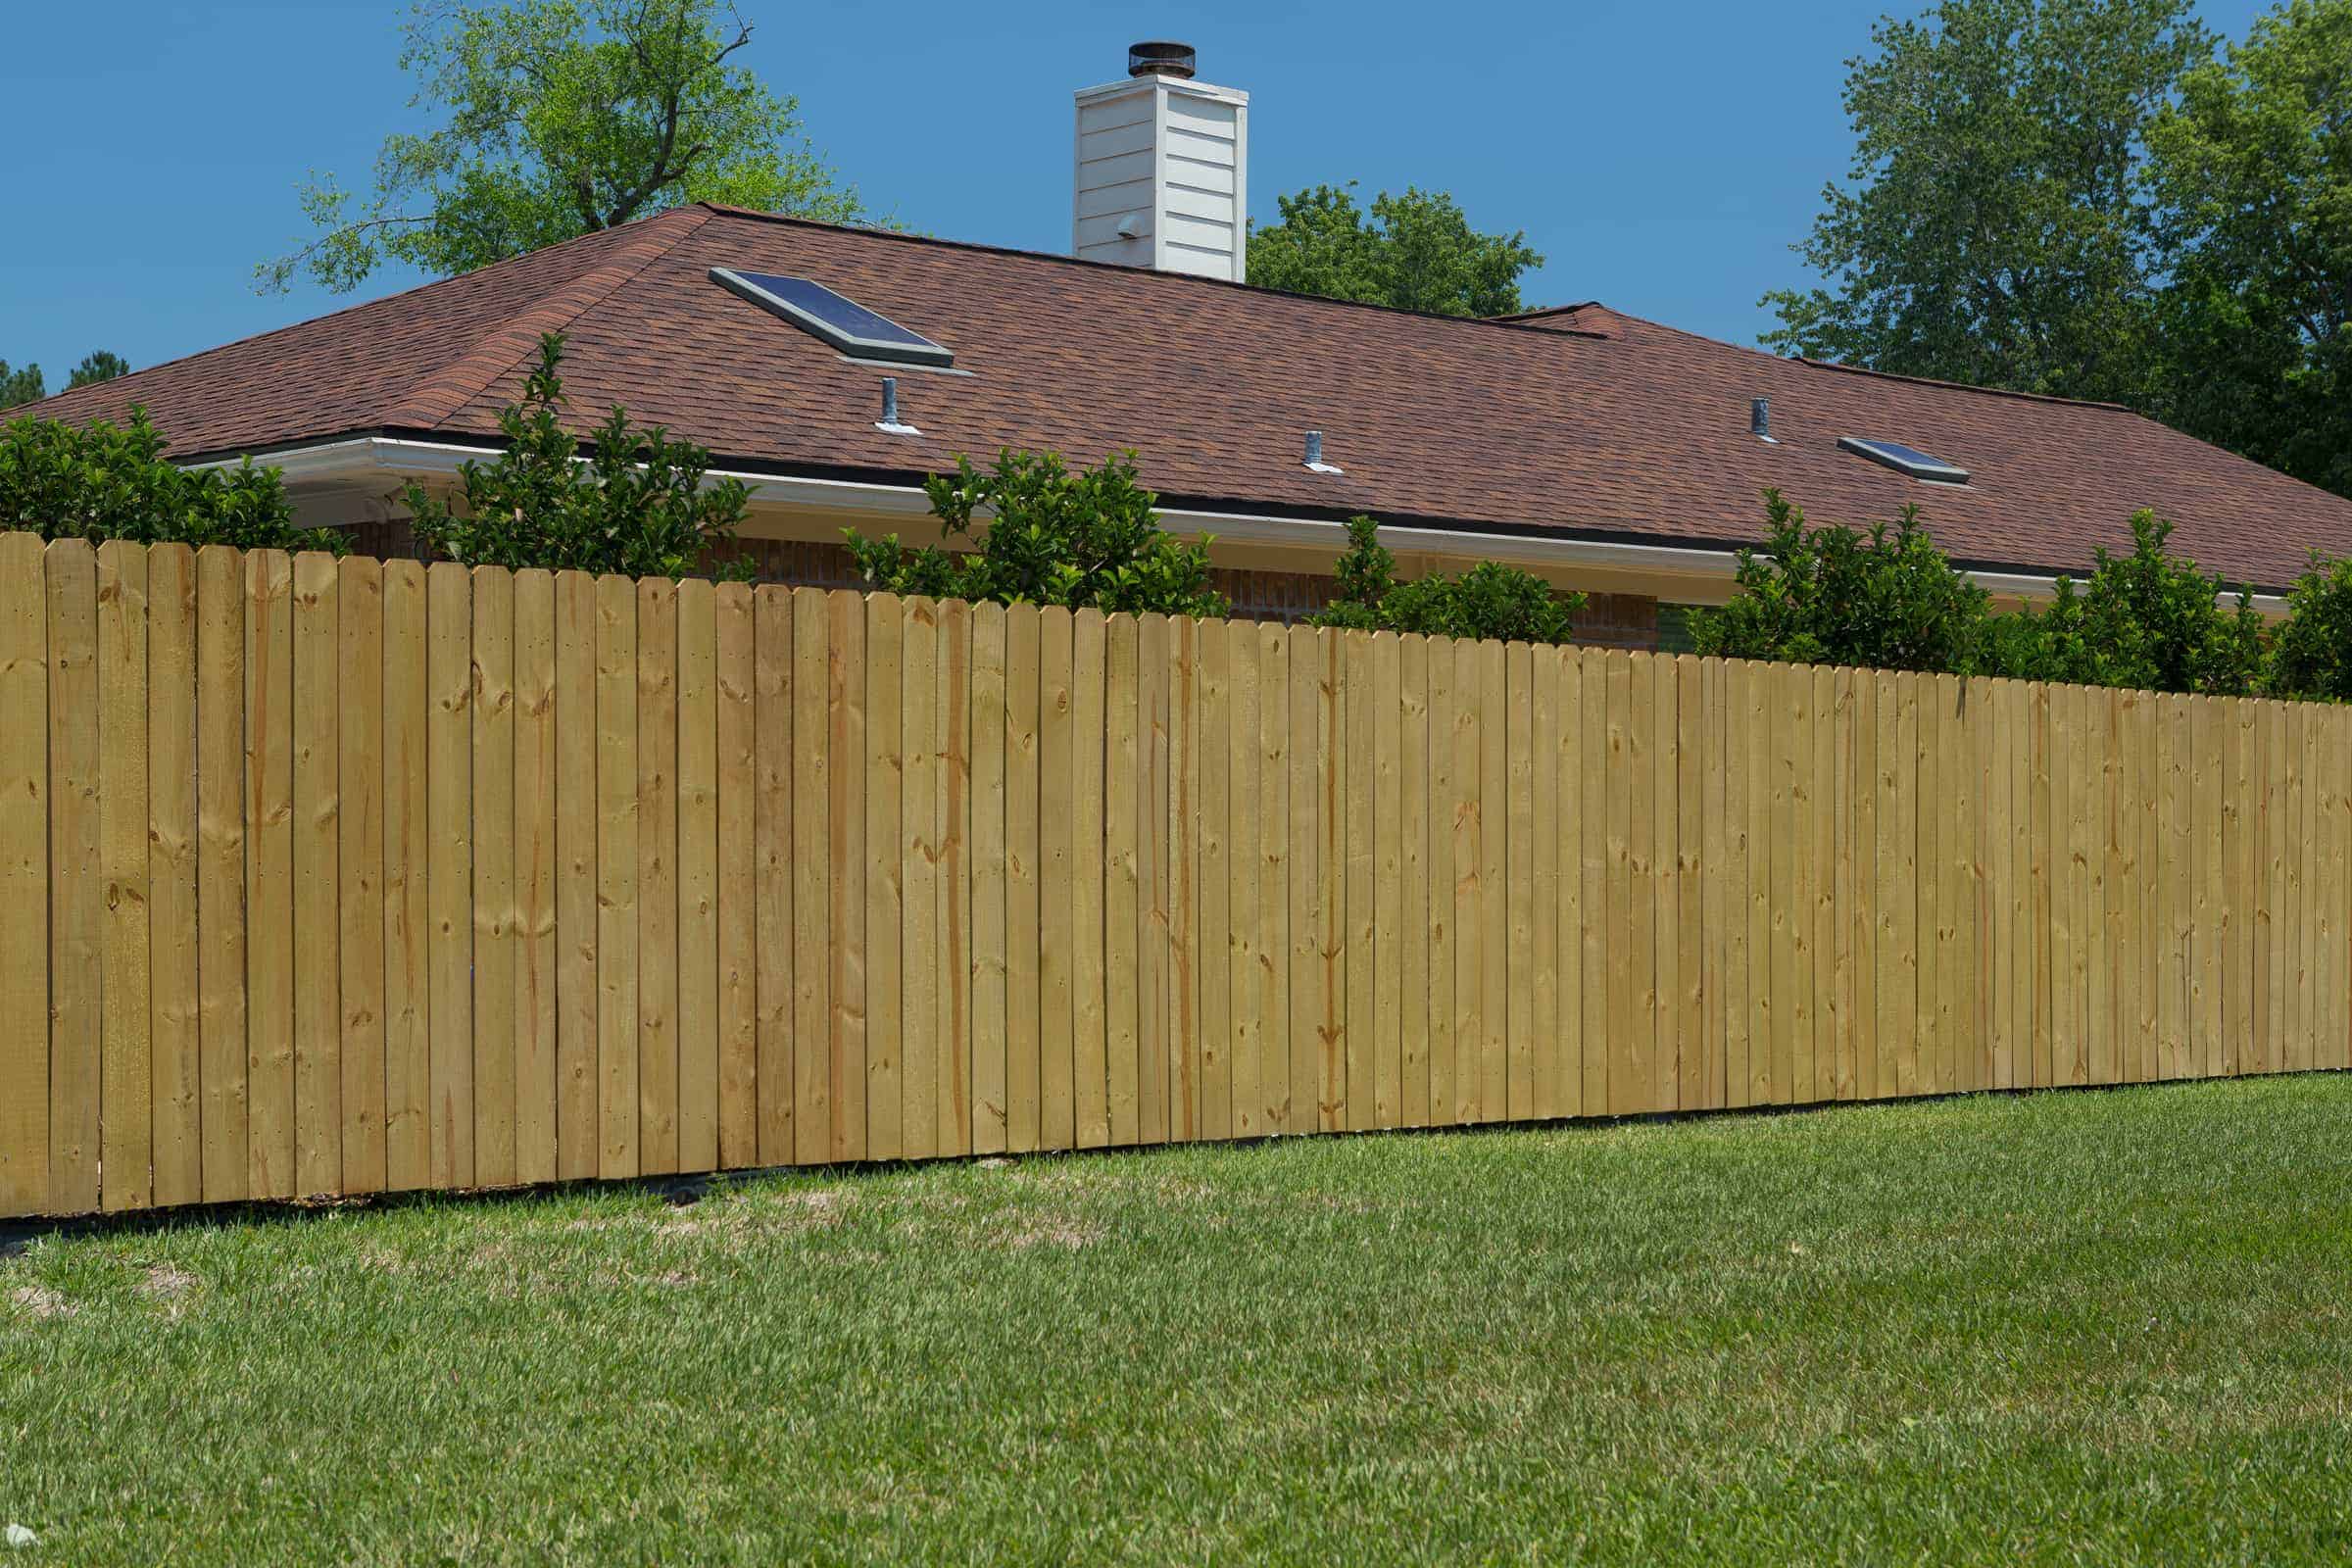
(1162, 162)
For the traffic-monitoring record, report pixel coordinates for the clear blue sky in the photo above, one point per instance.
(1662, 156)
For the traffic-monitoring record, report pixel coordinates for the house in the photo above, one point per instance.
(1604, 452)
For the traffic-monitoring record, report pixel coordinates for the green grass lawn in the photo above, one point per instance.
(2092, 1326)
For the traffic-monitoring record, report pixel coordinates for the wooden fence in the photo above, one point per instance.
(332, 876)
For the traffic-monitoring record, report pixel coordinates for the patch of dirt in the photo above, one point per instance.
(41, 1301)
(170, 1286)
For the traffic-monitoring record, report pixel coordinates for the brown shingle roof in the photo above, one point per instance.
(1582, 420)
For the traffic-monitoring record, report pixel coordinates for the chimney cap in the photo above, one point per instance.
(1160, 57)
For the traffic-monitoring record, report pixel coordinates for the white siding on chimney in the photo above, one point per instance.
(1162, 176)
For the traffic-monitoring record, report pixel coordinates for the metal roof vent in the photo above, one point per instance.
(1314, 454)
(1759, 421)
(1159, 57)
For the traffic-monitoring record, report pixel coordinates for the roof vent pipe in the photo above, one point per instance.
(889, 424)
(1314, 454)
(1759, 419)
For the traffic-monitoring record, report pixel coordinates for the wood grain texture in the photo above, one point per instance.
(317, 807)
(578, 1114)
(495, 918)
(407, 892)
(657, 881)
(537, 777)
(737, 680)
(619, 1095)
(25, 876)
(270, 878)
(363, 940)
(126, 1116)
(883, 772)
(698, 985)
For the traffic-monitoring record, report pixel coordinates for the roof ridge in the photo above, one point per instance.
(308, 322)
(1854, 369)
(867, 231)
(442, 393)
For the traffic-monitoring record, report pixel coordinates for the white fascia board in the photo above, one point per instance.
(389, 457)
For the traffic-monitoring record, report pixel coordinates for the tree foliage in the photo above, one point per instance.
(1417, 252)
(2252, 172)
(2311, 653)
(1087, 538)
(21, 385)
(1887, 599)
(100, 365)
(2149, 621)
(104, 481)
(558, 117)
(637, 505)
(1993, 226)
(1490, 600)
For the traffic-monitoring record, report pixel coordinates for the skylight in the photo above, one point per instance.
(834, 319)
(1905, 460)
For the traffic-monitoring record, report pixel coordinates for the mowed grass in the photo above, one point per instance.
(2102, 1327)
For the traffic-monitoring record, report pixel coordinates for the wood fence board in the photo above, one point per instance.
(1817, 795)
(171, 851)
(1243, 856)
(494, 902)
(736, 676)
(1539, 851)
(1626, 1060)
(1568, 763)
(619, 1094)
(657, 876)
(1153, 654)
(1841, 902)
(268, 877)
(1701, 745)
(1184, 882)
(845, 880)
(318, 993)
(77, 889)
(536, 1090)
(697, 904)
(363, 943)
(1122, 908)
(1740, 745)
(919, 827)
(1056, 983)
(1387, 860)
(1469, 868)
(1212, 743)
(2146, 888)
(1869, 687)
(1659, 779)
(881, 772)
(1411, 926)
(25, 874)
(2107, 887)
(812, 924)
(775, 984)
(1445, 804)
(578, 1121)
(1273, 885)
(1695, 1060)
(1519, 890)
(952, 716)
(1493, 789)
(127, 1114)
(1327, 719)
(990, 1049)
(1357, 843)
(1023, 626)
(1090, 1042)
(407, 891)
(1786, 823)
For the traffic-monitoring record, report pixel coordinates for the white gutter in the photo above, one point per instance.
(380, 459)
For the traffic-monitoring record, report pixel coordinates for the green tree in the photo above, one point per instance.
(1088, 539)
(637, 505)
(1834, 596)
(559, 117)
(2311, 655)
(2148, 621)
(1417, 252)
(1490, 600)
(101, 481)
(2253, 174)
(21, 385)
(1993, 229)
(100, 365)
